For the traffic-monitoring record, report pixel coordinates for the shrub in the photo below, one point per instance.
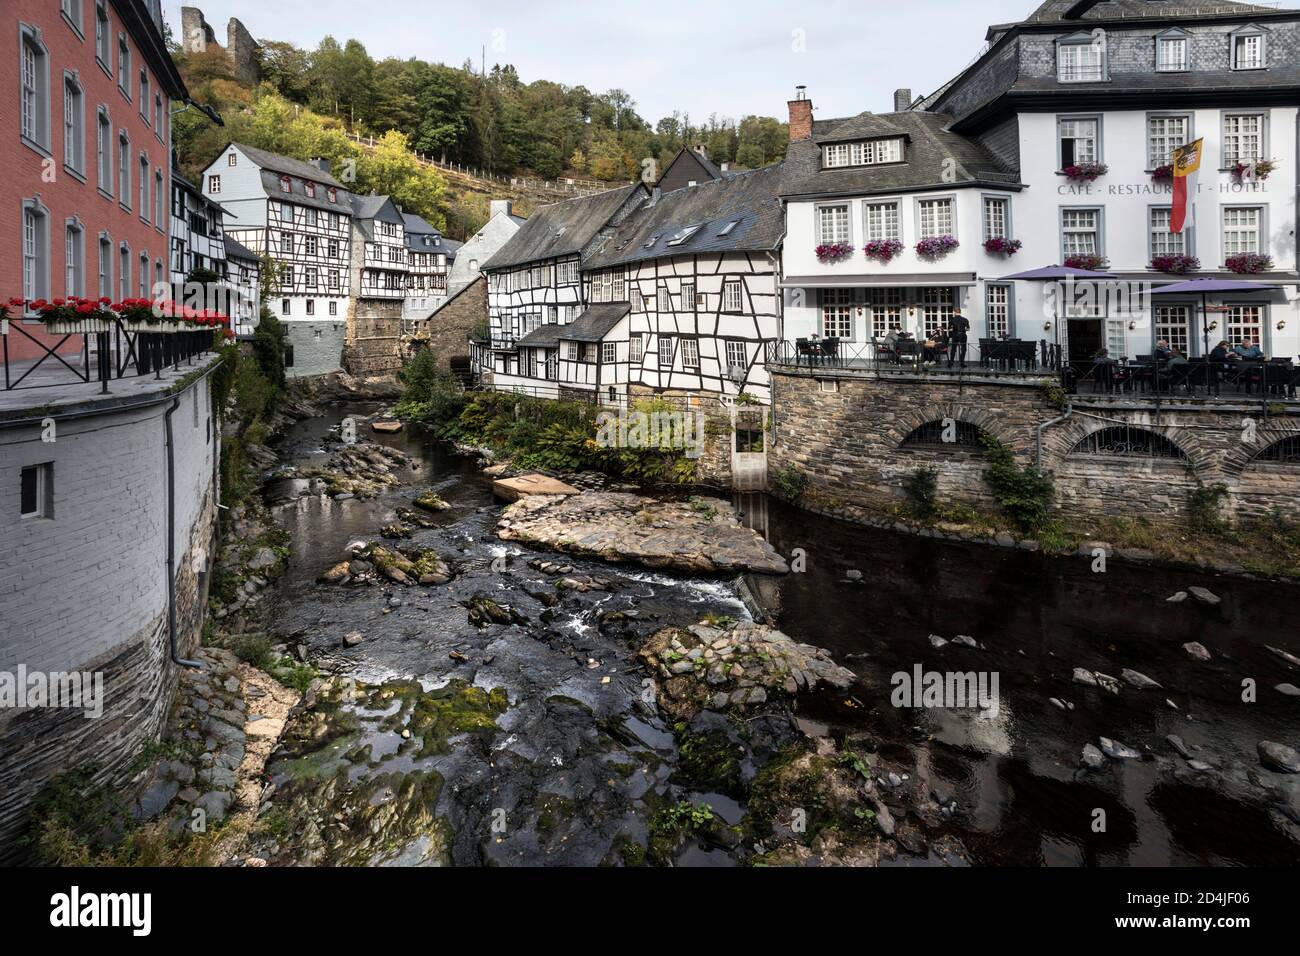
(1205, 509)
(432, 393)
(789, 484)
(1024, 493)
(922, 490)
(268, 348)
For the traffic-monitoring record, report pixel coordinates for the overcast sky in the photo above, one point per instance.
(699, 56)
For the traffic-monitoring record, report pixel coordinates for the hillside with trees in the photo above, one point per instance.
(310, 100)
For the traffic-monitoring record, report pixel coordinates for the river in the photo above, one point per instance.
(1020, 795)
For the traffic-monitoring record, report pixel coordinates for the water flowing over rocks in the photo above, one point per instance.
(360, 470)
(698, 536)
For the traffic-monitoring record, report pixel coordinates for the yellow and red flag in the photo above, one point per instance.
(1187, 162)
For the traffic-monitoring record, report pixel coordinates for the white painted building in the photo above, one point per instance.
(1121, 84)
(429, 258)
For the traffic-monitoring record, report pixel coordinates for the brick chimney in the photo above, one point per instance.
(801, 119)
(902, 100)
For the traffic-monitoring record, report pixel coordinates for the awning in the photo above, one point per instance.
(905, 280)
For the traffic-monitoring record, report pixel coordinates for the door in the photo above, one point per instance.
(1083, 342)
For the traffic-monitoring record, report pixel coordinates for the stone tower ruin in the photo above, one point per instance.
(197, 36)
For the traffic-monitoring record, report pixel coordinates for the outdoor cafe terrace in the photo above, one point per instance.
(1142, 379)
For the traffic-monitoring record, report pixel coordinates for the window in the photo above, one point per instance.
(666, 351)
(1164, 242)
(935, 218)
(105, 286)
(837, 313)
(996, 209)
(1171, 54)
(732, 299)
(158, 114)
(736, 357)
(571, 351)
(832, 224)
(37, 498)
(608, 353)
(158, 193)
(334, 278)
(284, 306)
(286, 243)
(334, 308)
(688, 296)
(73, 261)
(665, 300)
(886, 307)
(74, 126)
(1171, 324)
(1125, 441)
(286, 212)
(332, 194)
(1081, 61)
(309, 278)
(36, 253)
(1080, 232)
(309, 245)
(124, 170)
(618, 288)
(1244, 323)
(636, 348)
(103, 36)
(103, 153)
(34, 91)
(1248, 51)
(1243, 138)
(311, 306)
(683, 235)
(123, 66)
(144, 275)
(997, 310)
(310, 189)
(124, 271)
(936, 308)
(145, 105)
(940, 434)
(1241, 229)
(882, 221)
(1078, 141)
(868, 153)
(144, 188)
(1164, 135)
(214, 184)
(286, 184)
(309, 216)
(232, 159)
(566, 273)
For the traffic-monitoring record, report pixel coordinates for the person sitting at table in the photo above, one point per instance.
(1163, 352)
(1251, 352)
(930, 350)
(1220, 355)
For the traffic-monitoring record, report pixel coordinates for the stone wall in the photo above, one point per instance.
(374, 337)
(714, 464)
(86, 590)
(447, 331)
(317, 346)
(845, 432)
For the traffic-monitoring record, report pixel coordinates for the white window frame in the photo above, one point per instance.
(1165, 133)
(834, 223)
(836, 314)
(1074, 224)
(998, 304)
(1076, 130)
(690, 349)
(733, 296)
(1243, 230)
(1072, 66)
(74, 124)
(1172, 54)
(1249, 49)
(1244, 137)
(665, 344)
(737, 354)
(997, 217)
(1160, 241)
(936, 217)
(34, 90)
(882, 220)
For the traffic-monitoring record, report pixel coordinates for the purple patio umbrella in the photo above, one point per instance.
(1205, 288)
(1059, 274)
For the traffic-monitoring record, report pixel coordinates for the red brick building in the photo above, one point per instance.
(85, 143)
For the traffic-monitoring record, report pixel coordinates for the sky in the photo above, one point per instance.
(690, 56)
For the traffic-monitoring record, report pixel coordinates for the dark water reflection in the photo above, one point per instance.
(1015, 776)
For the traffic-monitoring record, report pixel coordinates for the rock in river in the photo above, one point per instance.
(1196, 651)
(1138, 679)
(1116, 750)
(692, 536)
(1279, 757)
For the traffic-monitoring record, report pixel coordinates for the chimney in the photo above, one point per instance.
(902, 100)
(322, 164)
(700, 150)
(503, 206)
(725, 167)
(801, 121)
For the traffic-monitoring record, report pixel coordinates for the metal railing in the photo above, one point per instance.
(1273, 380)
(982, 356)
(100, 357)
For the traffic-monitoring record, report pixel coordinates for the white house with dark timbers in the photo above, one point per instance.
(535, 287)
(1114, 87)
(301, 217)
(696, 270)
(886, 217)
(429, 258)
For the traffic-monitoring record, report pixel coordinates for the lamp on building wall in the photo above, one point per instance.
(1281, 324)
(1132, 325)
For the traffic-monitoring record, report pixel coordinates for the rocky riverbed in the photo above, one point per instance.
(486, 698)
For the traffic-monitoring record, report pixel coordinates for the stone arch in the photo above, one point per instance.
(1269, 440)
(1061, 440)
(985, 421)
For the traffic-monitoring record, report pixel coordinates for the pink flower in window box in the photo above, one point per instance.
(1002, 246)
(1085, 172)
(1092, 263)
(936, 246)
(832, 252)
(1178, 265)
(882, 250)
(1249, 263)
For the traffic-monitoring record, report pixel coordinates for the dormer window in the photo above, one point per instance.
(874, 152)
(286, 184)
(333, 194)
(1081, 58)
(1171, 53)
(1248, 49)
(311, 190)
(683, 236)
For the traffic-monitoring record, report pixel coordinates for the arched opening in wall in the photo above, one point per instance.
(1127, 441)
(945, 434)
(1284, 452)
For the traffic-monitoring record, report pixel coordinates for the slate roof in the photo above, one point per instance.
(237, 250)
(287, 166)
(1074, 11)
(560, 229)
(930, 145)
(595, 323)
(417, 228)
(751, 199)
(544, 336)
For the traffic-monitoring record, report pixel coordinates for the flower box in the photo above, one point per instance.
(63, 326)
(832, 252)
(1090, 263)
(1249, 263)
(1084, 172)
(1001, 246)
(1262, 168)
(1178, 265)
(935, 247)
(1163, 174)
(883, 250)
